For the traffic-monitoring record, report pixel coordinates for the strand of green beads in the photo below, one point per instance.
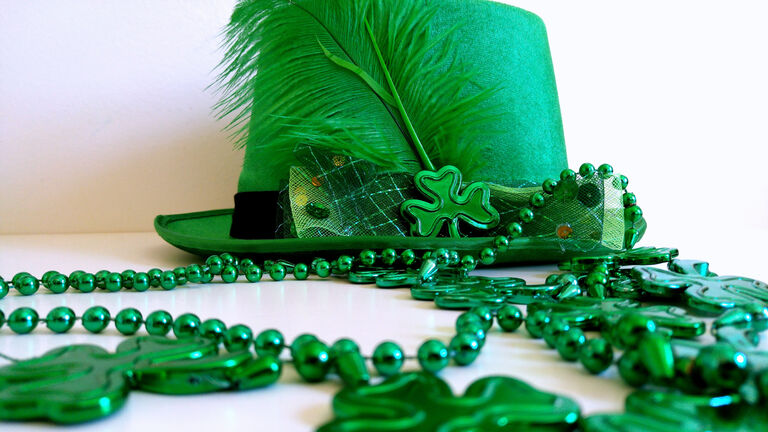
(312, 358)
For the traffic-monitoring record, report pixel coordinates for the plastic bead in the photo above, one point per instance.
(154, 277)
(127, 279)
(632, 370)
(186, 326)
(301, 340)
(301, 271)
(501, 243)
(349, 363)
(433, 356)
(128, 321)
(388, 256)
(141, 282)
(553, 330)
(629, 199)
(468, 319)
(514, 230)
(586, 170)
(27, 285)
(720, 366)
(158, 323)
(113, 282)
(269, 342)
(465, 348)
(101, 278)
(312, 361)
(388, 358)
(95, 319)
(526, 215)
(213, 329)
(215, 264)
(86, 283)
(3, 288)
(509, 318)
(2, 317)
(244, 264)
(487, 256)
(229, 274)
(474, 328)
(57, 283)
(368, 257)
(253, 273)
(74, 278)
(408, 257)
(344, 263)
(623, 182)
(549, 186)
(536, 322)
(277, 271)
(207, 276)
(238, 338)
(228, 259)
(485, 314)
(168, 280)
(537, 200)
(633, 214)
(630, 328)
(567, 174)
(60, 319)
(596, 355)
(181, 275)
(23, 320)
(194, 273)
(569, 343)
(47, 275)
(605, 170)
(323, 269)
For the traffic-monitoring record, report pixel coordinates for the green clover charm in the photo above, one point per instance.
(79, 383)
(416, 402)
(449, 204)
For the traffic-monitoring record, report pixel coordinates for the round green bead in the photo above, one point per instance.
(536, 322)
(74, 278)
(485, 314)
(253, 273)
(213, 329)
(514, 230)
(632, 370)
(154, 277)
(388, 358)
(127, 279)
(623, 182)
(57, 283)
(101, 278)
(277, 271)
(23, 320)
(128, 321)
(244, 264)
(186, 326)
(344, 263)
(368, 257)
(596, 355)
(158, 323)
(18, 276)
(343, 345)
(631, 328)
(569, 343)
(181, 275)
(207, 276)
(605, 170)
(2, 318)
(388, 256)
(168, 280)
(312, 361)
(95, 319)
(113, 282)
(629, 199)
(269, 342)
(194, 273)
(215, 264)
(27, 285)
(549, 186)
(60, 319)
(567, 174)
(408, 257)
(721, 366)
(526, 215)
(633, 214)
(238, 338)
(47, 275)
(487, 256)
(433, 356)
(229, 273)
(475, 329)
(228, 259)
(586, 170)
(501, 243)
(468, 319)
(301, 271)
(301, 340)
(553, 330)
(141, 282)
(465, 348)
(468, 263)
(537, 200)
(323, 269)
(509, 318)
(3, 288)
(86, 283)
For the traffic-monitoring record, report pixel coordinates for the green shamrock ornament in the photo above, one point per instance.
(416, 402)
(449, 204)
(703, 291)
(641, 256)
(659, 411)
(78, 383)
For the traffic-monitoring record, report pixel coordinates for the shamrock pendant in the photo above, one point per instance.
(449, 204)
(79, 383)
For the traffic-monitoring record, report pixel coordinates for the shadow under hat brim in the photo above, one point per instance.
(207, 233)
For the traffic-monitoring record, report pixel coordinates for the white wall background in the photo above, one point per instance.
(105, 120)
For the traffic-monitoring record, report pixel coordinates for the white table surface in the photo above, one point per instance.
(331, 309)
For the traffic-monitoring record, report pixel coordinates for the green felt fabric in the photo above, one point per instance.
(509, 46)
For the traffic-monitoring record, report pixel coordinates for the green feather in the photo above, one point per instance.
(366, 78)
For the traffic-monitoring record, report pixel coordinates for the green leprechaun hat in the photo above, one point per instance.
(404, 124)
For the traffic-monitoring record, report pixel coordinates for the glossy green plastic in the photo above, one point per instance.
(79, 383)
(448, 203)
(422, 402)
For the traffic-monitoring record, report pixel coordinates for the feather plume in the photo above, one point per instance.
(367, 78)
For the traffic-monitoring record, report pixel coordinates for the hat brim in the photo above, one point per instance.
(207, 233)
